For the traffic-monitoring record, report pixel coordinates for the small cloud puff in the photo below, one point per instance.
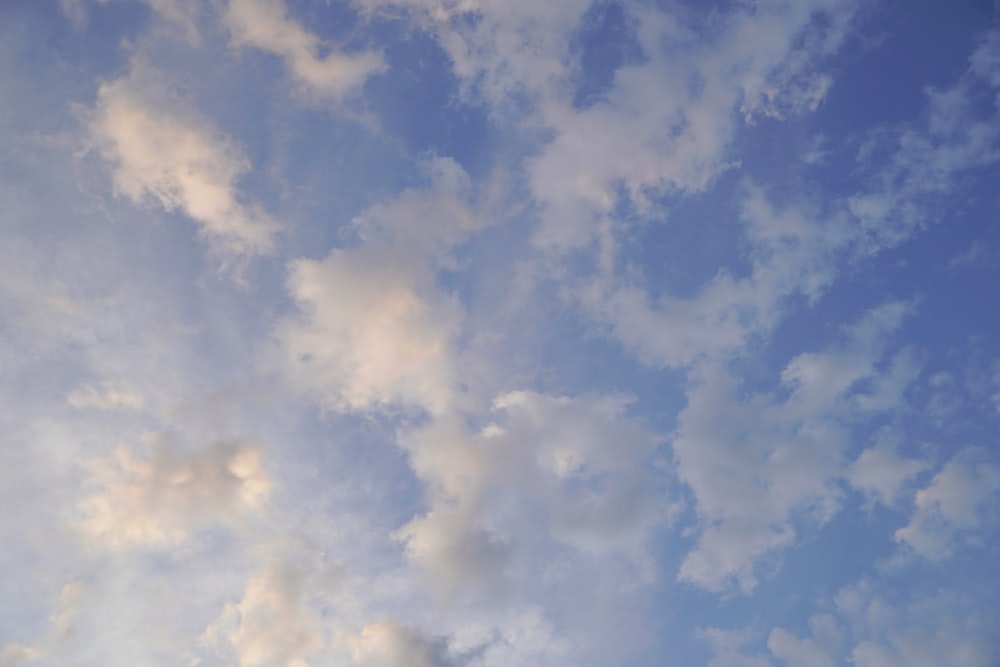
(881, 473)
(953, 509)
(166, 154)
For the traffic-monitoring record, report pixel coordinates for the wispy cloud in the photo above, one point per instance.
(162, 152)
(266, 25)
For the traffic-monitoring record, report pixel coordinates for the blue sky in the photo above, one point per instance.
(469, 333)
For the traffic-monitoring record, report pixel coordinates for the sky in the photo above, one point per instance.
(494, 333)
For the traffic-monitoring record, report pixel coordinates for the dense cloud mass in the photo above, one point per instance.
(479, 333)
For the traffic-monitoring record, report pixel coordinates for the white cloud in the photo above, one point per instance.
(730, 648)
(14, 654)
(168, 155)
(75, 11)
(791, 253)
(501, 50)
(959, 134)
(70, 605)
(869, 625)
(953, 509)
(660, 133)
(61, 625)
(273, 625)
(570, 470)
(527, 637)
(881, 473)
(374, 329)
(368, 335)
(266, 25)
(665, 125)
(182, 15)
(531, 531)
(179, 14)
(771, 458)
(387, 643)
(917, 631)
(159, 500)
(797, 652)
(795, 84)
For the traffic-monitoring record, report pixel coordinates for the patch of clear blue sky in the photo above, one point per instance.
(605, 41)
(417, 102)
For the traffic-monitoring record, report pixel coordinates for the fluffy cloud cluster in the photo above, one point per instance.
(771, 458)
(374, 328)
(795, 249)
(935, 629)
(867, 626)
(157, 501)
(272, 624)
(955, 508)
(573, 470)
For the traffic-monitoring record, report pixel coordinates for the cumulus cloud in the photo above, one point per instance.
(387, 643)
(374, 329)
(800, 652)
(771, 458)
(868, 626)
(572, 470)
(367, 336)
(731, 648)
(158, 500)
(665, 124)
(659, 134)
(918, 630)
(794, 250)
(881, 473)
(955, 507)
(166, 154)
(266, 25)
(273, 624)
